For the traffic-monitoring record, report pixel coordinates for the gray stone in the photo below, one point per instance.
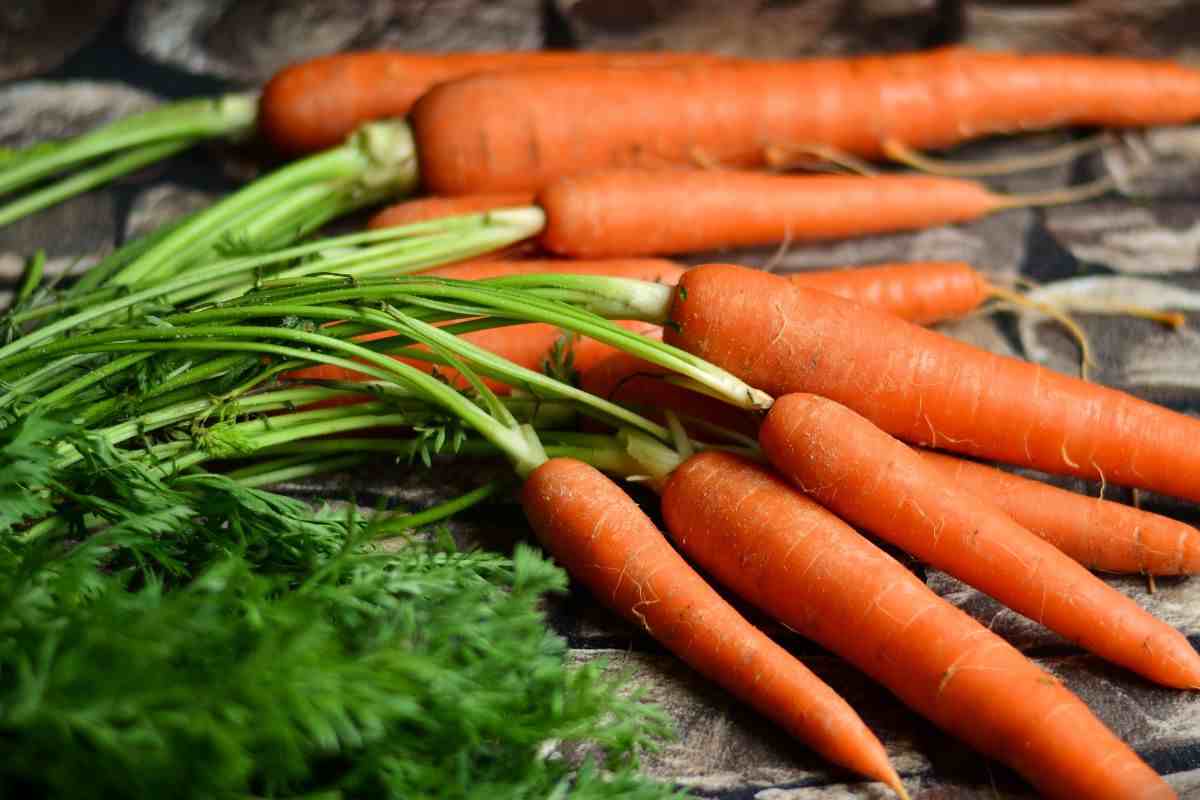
(159, 205)
(722, 745)
(38, 35)
(251, 41)
(1149, 240)
(1118, 27)
(751, 27)
(35, 111)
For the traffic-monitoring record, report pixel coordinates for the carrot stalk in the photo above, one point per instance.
(927, 388)
(817, 575)
(608, 544)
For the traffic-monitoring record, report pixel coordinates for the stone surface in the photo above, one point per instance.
(38, 35)
(759, 28)
(1118, 27)
(250, 41)
(34, 111)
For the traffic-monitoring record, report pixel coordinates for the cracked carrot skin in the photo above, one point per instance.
(1100, 534)
(926, 388)
(797, 561)
(529, 128)
(877, 483)
(604, 541)
(614, 212)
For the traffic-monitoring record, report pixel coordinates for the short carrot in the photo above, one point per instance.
(609, 545)
(616, 212)
(927, 388)
(520, 130)
(877, 483)
(316, 104)
(1100, 534)
(807, 568)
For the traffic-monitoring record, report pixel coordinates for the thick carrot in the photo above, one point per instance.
(316, 104)
(508, 131)
(1100, 534)
(609, 545)
(877, 483)
(810, 570)
(618, 212)
(927, 388)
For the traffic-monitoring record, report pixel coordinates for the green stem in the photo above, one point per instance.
(230, 116)
(442, 510)
(291, 469)
(378, 161)
(90, 178)
(30, 279)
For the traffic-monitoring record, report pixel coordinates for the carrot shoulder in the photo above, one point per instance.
(927, 388)
(807, 568)
(606, 543)
(879, 484)
(1100, 534)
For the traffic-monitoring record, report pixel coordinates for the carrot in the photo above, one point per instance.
(920, 292)
(606, 543)
(510, 131)
(1100, 534)
(617, 212)
(877, 483)
(807, 568)
(927, 388)
(316, 104)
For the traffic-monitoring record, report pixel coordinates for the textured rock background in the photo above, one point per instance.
(66, 67)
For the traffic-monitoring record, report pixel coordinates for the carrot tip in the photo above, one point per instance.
(898, 787)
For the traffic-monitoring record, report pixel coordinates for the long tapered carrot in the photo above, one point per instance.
(317, 103)
(609, 545)
(807, 568)
(927, 388)
(616, 212)
(506, 131)
(1100, 534)
(877, 483)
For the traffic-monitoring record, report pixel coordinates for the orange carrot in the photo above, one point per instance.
(810, 570)
(920, 292)
(316, 104)
(509, 131)
(927, 388)
(617, 212)
(879, 484)
(1100, 534)
(606, 543)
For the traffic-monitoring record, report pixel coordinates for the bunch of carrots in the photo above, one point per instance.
(845, 396)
